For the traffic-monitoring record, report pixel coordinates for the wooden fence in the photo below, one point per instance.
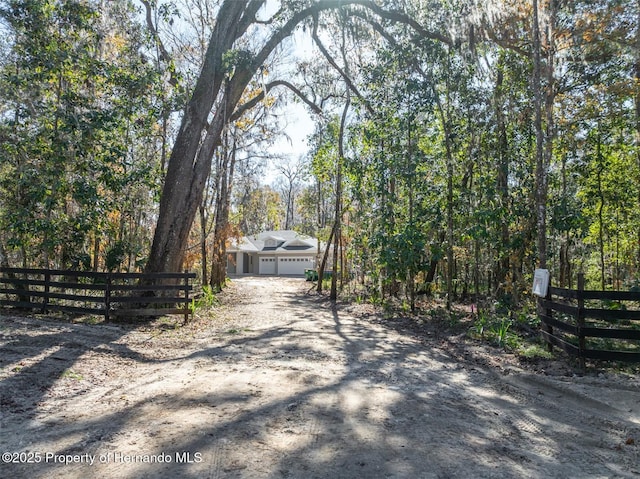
(592, 324)
(103, 294)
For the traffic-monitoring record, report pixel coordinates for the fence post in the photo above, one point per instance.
(186, 296)
(580, 320)
(47, 288)
(107, 297)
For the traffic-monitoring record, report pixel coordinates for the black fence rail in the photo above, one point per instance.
(104, 294)
(590, 324)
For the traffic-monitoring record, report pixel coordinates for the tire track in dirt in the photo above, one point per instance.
(281, 384)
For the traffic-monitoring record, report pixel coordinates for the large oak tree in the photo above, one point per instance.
(216, 101)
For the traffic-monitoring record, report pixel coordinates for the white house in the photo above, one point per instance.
(273, 253)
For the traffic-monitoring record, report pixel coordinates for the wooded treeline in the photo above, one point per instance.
(458, 144)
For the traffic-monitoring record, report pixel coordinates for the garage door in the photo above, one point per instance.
(267, 265)
(294, 266)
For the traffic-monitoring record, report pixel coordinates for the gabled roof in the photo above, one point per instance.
(283, 235)
(284, 241)
(278, 239)
(243, 244)
(299, 243)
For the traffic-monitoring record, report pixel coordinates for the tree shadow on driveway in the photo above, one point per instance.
(304, 389)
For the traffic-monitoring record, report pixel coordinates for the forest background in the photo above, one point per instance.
(458, 144)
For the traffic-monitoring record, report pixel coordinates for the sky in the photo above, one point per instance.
(299, 121)
(299, 126)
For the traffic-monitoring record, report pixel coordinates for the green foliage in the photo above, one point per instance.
(207, 300)
(430, 102)
(233, 59)
(480, 324)
(78, 102)
(439, 167)
(534, 351)
(115, 256)
(499, 332)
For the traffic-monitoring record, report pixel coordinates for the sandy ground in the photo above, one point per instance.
(280, 384)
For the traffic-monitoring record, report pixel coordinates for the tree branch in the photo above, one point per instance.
(313, 11)
(333, 63)
(397, 16)
(249, 16)
(164, 54)
(242, 109)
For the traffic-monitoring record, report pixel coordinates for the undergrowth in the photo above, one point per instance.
(516, 333)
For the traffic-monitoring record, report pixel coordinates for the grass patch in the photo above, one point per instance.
(69, 374)
(534, 351)
(517, 333)
(89, 320)
(500, 331)
(207, 299)
(237, 330)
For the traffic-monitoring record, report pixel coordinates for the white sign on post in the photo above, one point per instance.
(541, 282)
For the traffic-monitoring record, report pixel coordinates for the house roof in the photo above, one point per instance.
(299, 243)
(242, 244)
(284, 241)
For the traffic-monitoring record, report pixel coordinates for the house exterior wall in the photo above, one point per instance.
(239, 262)
(232, 263)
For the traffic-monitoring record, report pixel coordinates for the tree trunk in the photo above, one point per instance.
(338, 213)
(4, 256)
(450, 258)
(221, 231)
(203, 242)
(544, 134)
(333, 295)
(565, 258)
(325, 257)
(550, 98)
(601, 199)
(190, 161)
(637, 118)
(502, 267)
(540, 175)
(411, 171)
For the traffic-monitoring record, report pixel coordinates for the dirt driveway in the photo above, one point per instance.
(281, 385)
